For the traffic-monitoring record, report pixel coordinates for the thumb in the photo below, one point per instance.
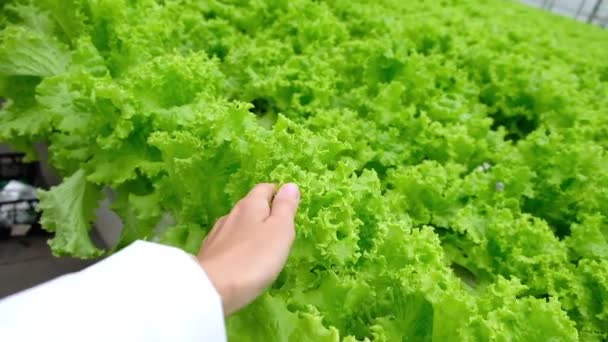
(285, 203)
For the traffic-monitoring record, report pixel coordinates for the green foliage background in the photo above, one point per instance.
(451, 154)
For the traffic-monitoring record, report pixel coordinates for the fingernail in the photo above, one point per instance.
(289, 190)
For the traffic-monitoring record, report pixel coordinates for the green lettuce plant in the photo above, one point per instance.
(451, 154)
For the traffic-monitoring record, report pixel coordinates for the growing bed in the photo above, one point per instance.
(451, 154)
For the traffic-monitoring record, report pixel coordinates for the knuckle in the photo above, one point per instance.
(257, 187)
(262, 187)
(242, 204)
(247, 205)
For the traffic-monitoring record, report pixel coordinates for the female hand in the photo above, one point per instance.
(246, 249)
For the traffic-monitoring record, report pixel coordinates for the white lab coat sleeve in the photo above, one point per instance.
(146, 292)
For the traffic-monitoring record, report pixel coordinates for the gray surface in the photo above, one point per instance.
(4, 148)
(107, 224)
(27, 261)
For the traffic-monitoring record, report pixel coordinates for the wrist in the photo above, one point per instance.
(223, 289)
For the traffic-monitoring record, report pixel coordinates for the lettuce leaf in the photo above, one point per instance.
(71, 220)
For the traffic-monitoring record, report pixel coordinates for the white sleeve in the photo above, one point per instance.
(146, 292)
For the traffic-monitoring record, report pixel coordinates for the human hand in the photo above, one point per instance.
(246, 249)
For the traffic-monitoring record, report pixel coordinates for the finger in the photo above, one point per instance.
(256, 205)
(285, 203)
(263, 191)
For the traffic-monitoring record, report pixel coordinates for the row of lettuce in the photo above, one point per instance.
(452, 155)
